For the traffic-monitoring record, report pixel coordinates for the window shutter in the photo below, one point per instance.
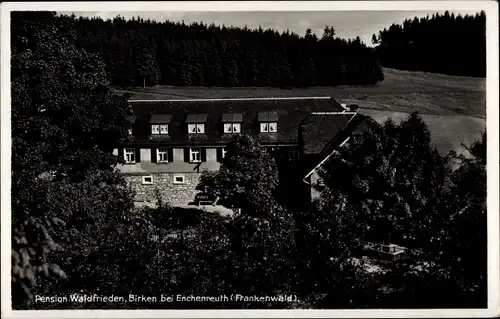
(170, 152)
(153, 155)
(120, 153)
(186, 155)
(218, 151)
(137, 155)
(203, 154)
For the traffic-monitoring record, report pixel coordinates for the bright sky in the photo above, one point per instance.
(348, 24)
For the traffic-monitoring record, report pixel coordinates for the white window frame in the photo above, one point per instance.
(193, 151)
(129, 151)
(144, 182)
(155, 129)
(165, 128)
(199, 128)
(179, 182)
(162, 151)
(224, 152)
(233, 127)
(265, 127)
(273, 124)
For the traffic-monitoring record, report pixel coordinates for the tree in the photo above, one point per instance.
(247, 178)
(138, 51)
(406, 46)
(464, 255)
(65, 124)
(259, 238)
(396, 175)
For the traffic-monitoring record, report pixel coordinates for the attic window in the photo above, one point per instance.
(268, 122)
(196, 128)
(196, 123)
(159, 124)
(232, 122)
(232, 128)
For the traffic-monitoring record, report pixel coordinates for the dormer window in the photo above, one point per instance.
(268, 122)
(232, 128)
(159, 124)
(196, 123)
(196, 128)
(232, 123)
(131, 120)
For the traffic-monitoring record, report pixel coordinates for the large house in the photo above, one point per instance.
(173, 141)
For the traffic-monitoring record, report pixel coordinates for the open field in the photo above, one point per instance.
(401, 91)
(448, 132)
(453, 107)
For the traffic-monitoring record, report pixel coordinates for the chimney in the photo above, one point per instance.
(353, 107)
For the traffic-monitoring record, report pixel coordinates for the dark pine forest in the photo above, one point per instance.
(137, 51)
(141, 52)
(443, 43)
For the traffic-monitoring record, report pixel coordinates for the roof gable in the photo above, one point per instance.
(232, 117)
(160, 118)
(319, 130)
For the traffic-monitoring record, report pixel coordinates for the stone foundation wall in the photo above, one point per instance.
(174, 193)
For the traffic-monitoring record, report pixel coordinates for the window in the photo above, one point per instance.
(292, 154)
(162, 155)
(232, 127)
(269, 127)
(161, 129)
(196, 128)
(268, 122)
(129, 155)
(147, 180)
(194, 155)
(129, 131)
(179, 179)
(155, 129)
(224, 151)
(320, 182)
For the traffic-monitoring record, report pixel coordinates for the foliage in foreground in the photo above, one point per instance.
(402, 191)
(65, 124)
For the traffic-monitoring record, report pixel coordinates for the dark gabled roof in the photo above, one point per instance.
(290, 112)
(355, 127)
(232, 117)
(160, 118)
(267, 117)
(319, 130)
(196, 118)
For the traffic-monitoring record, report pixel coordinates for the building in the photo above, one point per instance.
(173, 141)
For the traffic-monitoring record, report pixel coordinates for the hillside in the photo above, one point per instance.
(454, 107)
